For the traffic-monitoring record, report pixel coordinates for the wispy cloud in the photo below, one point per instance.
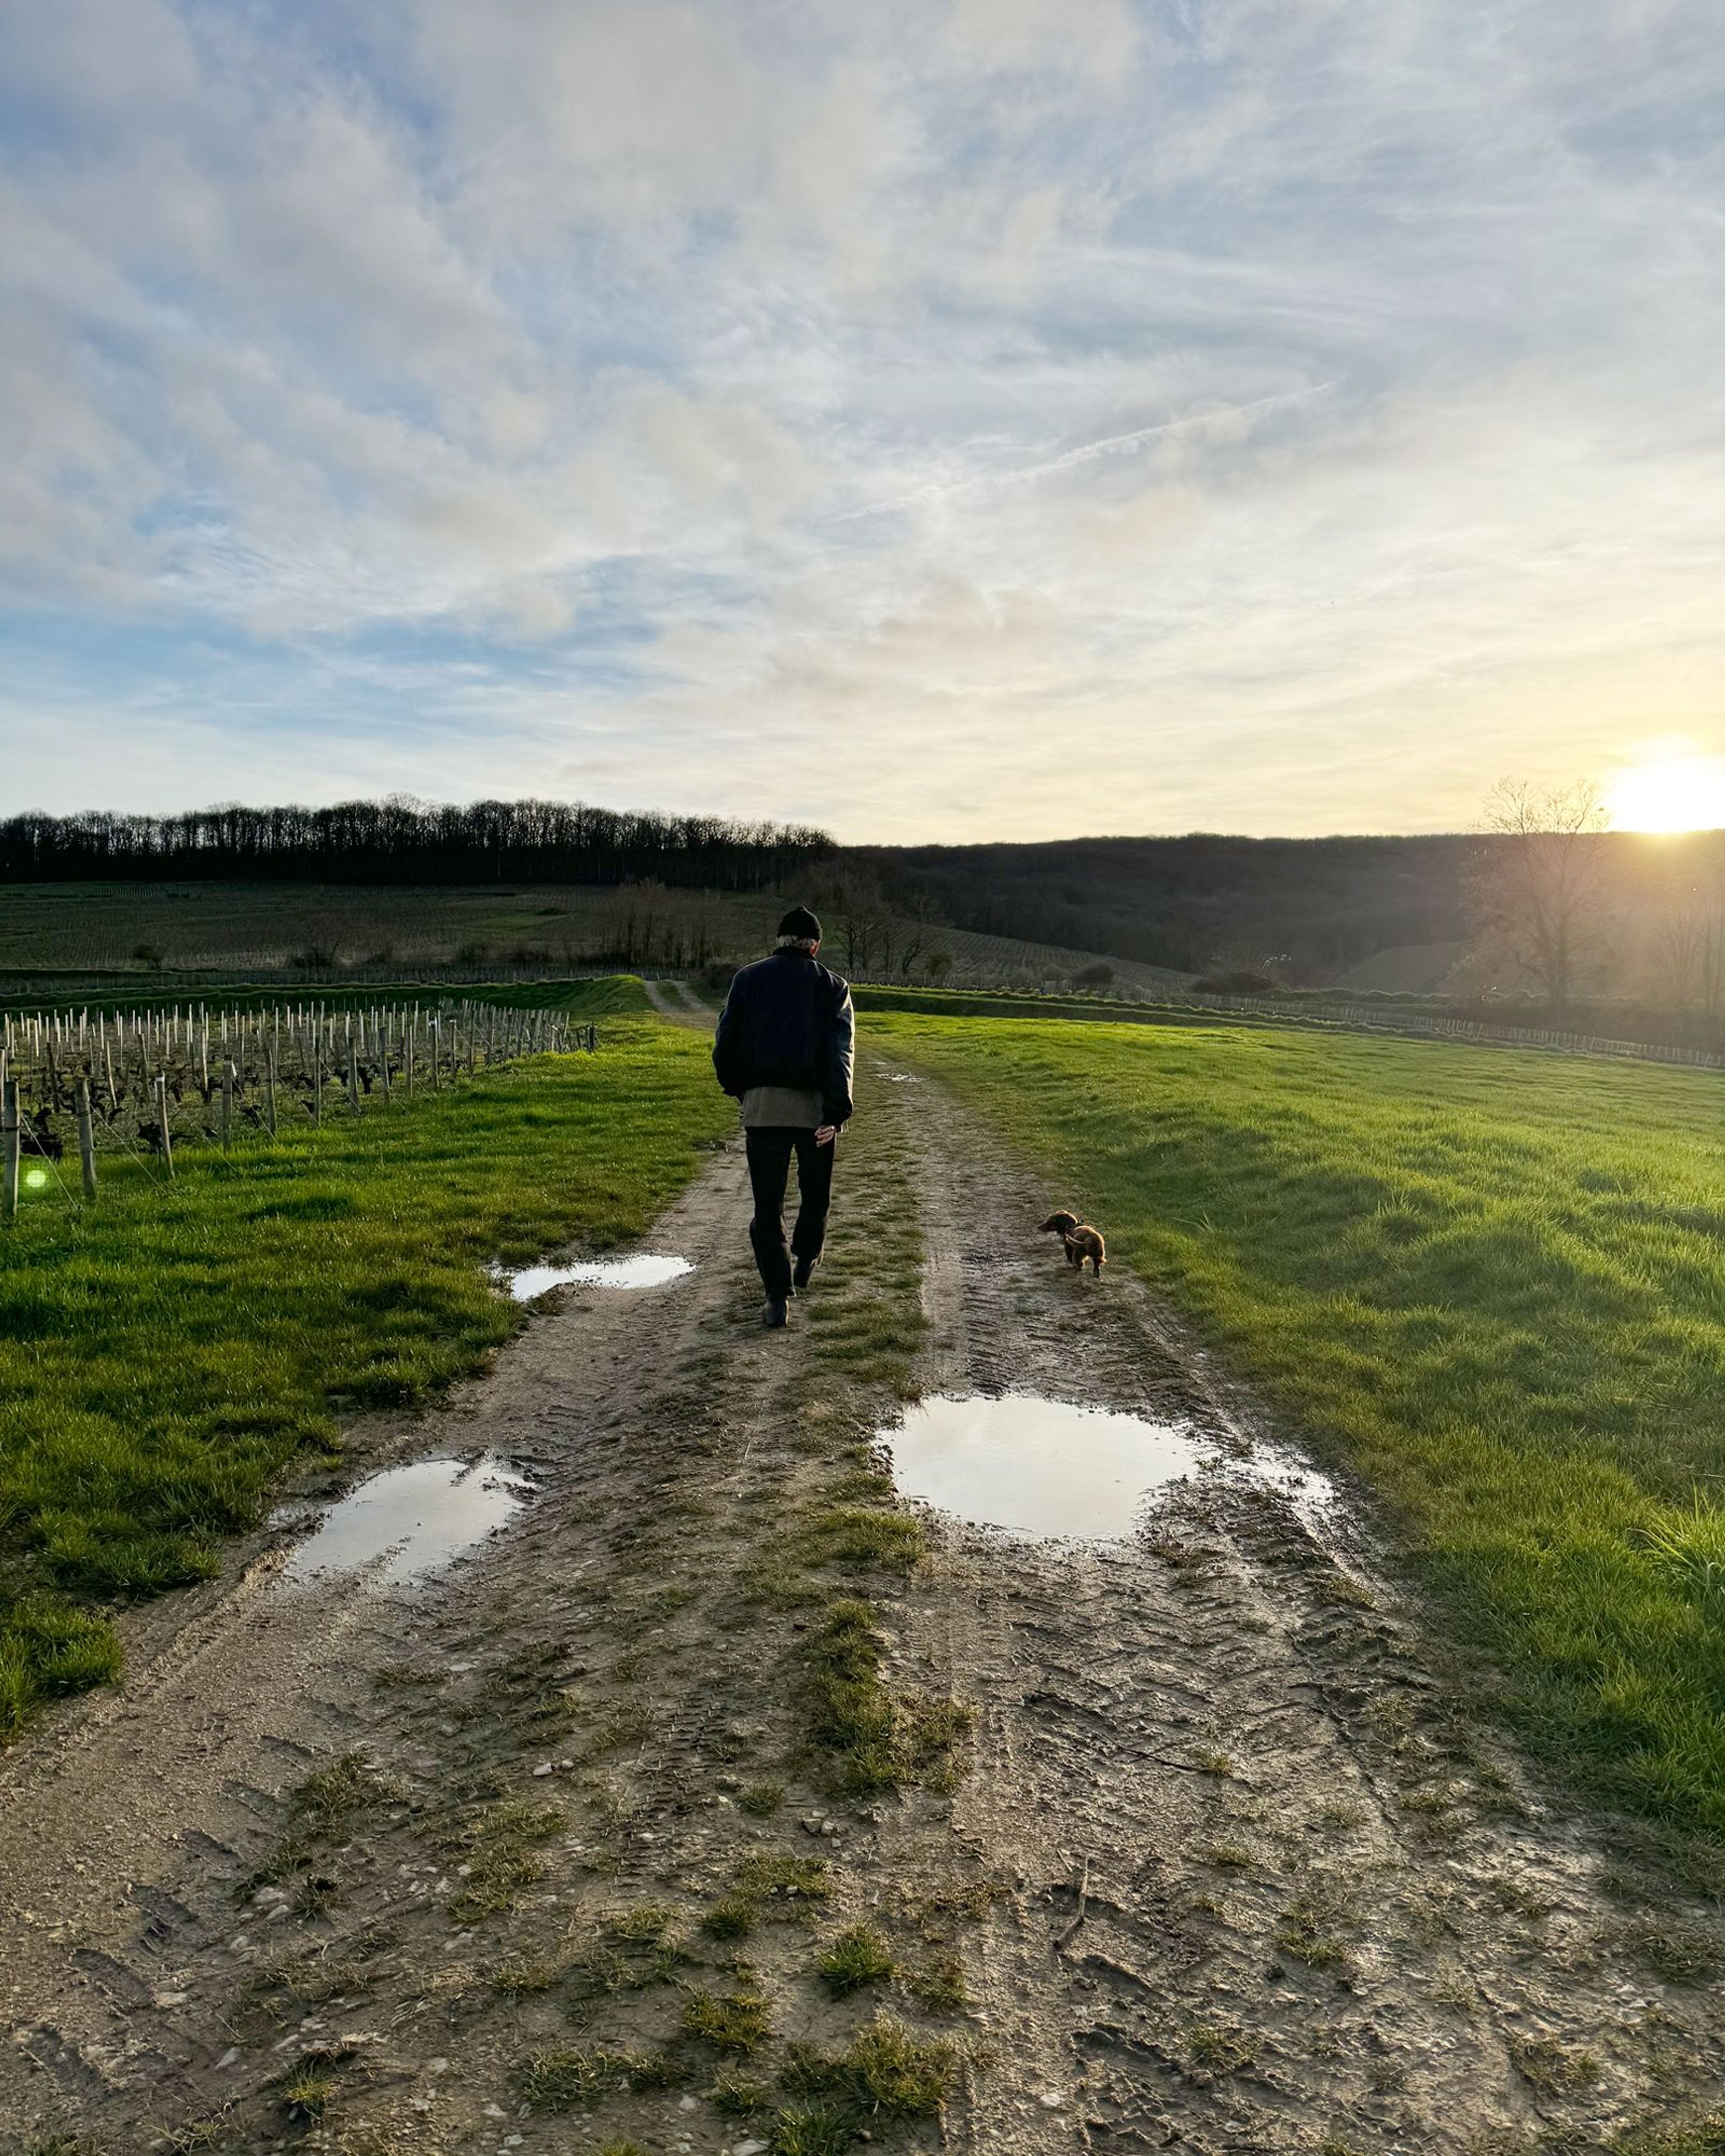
(1035, 416)
(1223, 421)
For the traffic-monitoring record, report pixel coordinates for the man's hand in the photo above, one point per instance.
(826, 1134)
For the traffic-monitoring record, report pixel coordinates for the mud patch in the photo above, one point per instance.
(408, 1522)
(645, 1269)
(1055, 1471)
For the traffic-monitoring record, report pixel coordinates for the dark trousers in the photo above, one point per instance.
(769, 1157)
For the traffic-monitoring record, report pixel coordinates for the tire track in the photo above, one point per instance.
(1271, 1890)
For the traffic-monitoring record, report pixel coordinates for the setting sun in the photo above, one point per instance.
(1674, 794)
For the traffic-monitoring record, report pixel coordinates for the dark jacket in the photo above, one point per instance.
(788, 1021)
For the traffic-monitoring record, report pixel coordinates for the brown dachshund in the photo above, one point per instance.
(1081, 1242)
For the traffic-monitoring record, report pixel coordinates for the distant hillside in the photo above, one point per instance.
(1323, 905)
(209, 928)
(1416, 969)
(1384, 913)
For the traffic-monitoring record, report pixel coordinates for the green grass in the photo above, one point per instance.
(850, 1710)
(1702, 2137)
(872, 1738)
(321, 1809)
(1493, 1282)
(853, 1958)
(559, 2080)
(887, 2073)
(243, 928)
(738, 2021)
(164, 1351)
(937, 1983)
(498, 1843)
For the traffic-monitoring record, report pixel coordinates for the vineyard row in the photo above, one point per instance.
(143, 1081)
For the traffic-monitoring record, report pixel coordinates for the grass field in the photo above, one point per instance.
(174, 936)
(99, 926)
(165, 1351)
(1492, 1281)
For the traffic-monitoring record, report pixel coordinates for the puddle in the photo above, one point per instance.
(643, 1270)
(902, 1078)
(1053, 1470)
(410, 1521)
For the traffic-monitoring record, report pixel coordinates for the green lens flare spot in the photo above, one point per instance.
(35, 1179)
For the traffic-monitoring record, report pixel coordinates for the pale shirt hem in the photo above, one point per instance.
(780, 1108)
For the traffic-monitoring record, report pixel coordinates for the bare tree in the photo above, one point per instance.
(918, 935)
(1690, 930)
(862, 919)
(1538, 882)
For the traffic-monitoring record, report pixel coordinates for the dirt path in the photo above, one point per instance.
(677, 1001)
(1221, 1866)
(1273, 1889)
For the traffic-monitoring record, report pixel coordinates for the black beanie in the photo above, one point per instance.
(800, 923)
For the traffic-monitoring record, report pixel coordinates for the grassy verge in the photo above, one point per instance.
(1492, 1281)
(163, 1352)
(1006, 1002)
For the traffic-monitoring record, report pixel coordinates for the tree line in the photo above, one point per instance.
(403, 840)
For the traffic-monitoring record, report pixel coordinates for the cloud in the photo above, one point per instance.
(1095, 39)
(1005, 417)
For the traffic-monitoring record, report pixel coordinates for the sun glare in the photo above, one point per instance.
(1674, 794)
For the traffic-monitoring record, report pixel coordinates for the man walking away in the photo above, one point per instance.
(783, 1049)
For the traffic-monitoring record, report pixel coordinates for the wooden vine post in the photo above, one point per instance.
(86, 1138)
(9, 1146)
(162, 1129)
(227, 1103)
(269, 1087)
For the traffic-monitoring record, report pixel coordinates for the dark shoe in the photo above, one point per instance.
(774, 1315)
(805, 1266)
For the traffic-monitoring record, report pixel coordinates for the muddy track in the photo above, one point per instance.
(1226, 1867)
(1273, 1889)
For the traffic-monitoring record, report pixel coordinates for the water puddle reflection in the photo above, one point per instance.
(1053, 1471)
(643, 1270)
(408, 1522)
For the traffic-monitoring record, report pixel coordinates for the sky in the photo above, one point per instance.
(981, 418)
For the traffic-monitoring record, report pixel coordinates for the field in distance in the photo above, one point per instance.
(217, 927)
